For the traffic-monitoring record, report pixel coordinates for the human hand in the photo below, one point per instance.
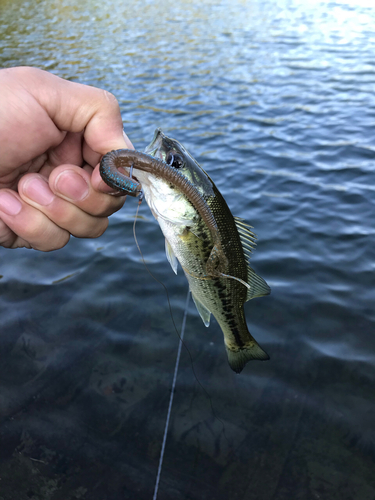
(52, 135)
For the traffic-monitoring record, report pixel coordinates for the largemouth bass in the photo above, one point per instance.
(211, 245)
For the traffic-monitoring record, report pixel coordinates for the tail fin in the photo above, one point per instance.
(237, 359)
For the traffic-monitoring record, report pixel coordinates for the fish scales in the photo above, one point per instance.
(201, 233)
(221, 296)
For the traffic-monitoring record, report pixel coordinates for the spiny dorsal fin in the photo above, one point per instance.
(247, 237)
(258, 287)
(247, 249)
(241, 222)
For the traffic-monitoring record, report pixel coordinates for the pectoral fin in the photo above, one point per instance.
(217, 262)
(204, 313)
(172, 259)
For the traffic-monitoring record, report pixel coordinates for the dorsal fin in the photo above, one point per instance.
(258, 287)
(247, 237)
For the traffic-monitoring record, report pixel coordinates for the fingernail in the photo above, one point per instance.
(37, 189)
(10, 204)
(72, 186)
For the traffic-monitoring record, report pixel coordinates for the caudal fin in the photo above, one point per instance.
(238, 359)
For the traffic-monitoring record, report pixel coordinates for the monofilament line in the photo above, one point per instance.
(171, 397)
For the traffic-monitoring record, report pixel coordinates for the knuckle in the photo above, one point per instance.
(98, 207)
(45, 235)
(113, 205)
(110, 98)
(93, 230)
(100, 228)
(7, 236)
(23, 71)
(56, 243)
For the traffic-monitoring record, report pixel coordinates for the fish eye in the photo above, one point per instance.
(174, 160)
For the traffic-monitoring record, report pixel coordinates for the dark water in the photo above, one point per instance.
(276, 100)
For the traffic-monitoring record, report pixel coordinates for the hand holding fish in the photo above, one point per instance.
(52, 135)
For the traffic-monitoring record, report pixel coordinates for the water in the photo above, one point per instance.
(276, 101)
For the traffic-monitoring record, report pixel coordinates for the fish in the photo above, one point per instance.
(212, 246)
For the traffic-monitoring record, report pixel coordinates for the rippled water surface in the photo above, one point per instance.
(276, 100)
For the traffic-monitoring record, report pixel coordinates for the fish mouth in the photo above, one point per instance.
(155, 144)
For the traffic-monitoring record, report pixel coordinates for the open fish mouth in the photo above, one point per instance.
(155, 144)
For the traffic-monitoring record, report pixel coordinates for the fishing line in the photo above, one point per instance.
(171, 397)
